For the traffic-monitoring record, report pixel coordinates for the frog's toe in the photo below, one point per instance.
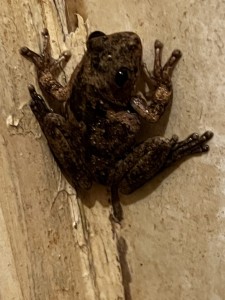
(32, 56)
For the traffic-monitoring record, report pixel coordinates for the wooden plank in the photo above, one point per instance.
(52, 245)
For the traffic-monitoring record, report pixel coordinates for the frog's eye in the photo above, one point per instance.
(95, 34)
(95, 41)
(121, 77)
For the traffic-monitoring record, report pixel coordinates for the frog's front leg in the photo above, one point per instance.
(47, 69)
(65, 142)
(163, 91)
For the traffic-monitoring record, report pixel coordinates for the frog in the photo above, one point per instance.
(92, 123)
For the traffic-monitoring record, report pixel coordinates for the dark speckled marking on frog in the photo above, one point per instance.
(92, 123)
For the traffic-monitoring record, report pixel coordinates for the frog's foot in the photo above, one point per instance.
(117, 213)
(38, 105)
(160, 82)
(45, 61)
(47, 71)
(194, 144)
(163, 74)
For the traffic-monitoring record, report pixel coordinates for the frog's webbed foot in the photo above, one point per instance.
(45, 61)
(117, 213)
(193, 144)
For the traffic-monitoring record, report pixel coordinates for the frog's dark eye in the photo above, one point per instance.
(95, 34)
(121, 77)
(95, 41)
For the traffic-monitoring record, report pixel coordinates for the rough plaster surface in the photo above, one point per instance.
(171, 244)
(174, 226)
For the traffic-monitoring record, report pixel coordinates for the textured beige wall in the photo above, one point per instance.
(174, 226)
(171, 244)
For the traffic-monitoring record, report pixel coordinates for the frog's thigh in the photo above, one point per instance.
(143, 163)
(54, 128)
(62, 144)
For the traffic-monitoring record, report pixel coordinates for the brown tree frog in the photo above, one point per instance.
(92, 123)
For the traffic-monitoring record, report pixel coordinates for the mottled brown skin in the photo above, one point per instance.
(92, 123)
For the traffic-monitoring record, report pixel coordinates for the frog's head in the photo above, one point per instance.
(115, 62)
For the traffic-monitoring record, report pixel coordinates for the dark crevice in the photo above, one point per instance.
(72, 8)
(126, 276)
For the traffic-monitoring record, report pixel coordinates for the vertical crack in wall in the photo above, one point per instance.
(72, 8)
(86, 233)
(126, 276)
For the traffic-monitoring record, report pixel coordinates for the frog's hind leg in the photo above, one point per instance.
(63, 140)
(152, 156)
(47, 69)
(137, 168)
